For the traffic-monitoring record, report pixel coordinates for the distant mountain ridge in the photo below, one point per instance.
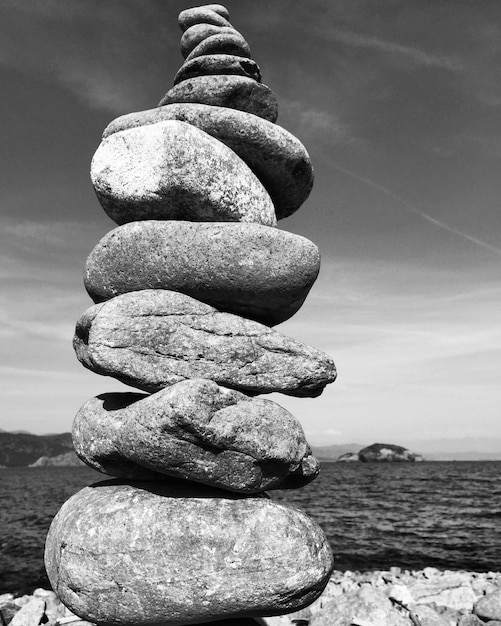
(22, 449)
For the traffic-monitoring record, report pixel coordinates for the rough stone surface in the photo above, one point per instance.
(470, 620)
(172, 170)
(401, 595)
(365, 605)
(453, 591)
(218, 64)
(198, 431)
(243, 621)
(147, 554)
(30, 614)
(489, 607)
(425, 611)
(54, 608)
(223, 43)
(232, 91)
(428, 616)
(153, 338)
(202, 15)
(198, 32)
(8, 608)
(278, 159)
(251, 270)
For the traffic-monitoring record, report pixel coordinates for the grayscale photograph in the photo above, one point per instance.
(250, 313)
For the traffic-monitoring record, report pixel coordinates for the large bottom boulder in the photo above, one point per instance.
(146, 554)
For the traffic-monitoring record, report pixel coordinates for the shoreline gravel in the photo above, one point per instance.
(394, 597)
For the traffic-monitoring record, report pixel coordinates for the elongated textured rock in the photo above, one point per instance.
(198, 431)
(218, 64)
(153, 338)
(255, 271)
(232, 91)
(276, 157)
(172, 170)
(148, 554)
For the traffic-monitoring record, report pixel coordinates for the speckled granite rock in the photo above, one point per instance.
(218, 64)
(427, 616)
(153, 338)
(489, 606)
(276, 157)
(30, 614)
(452, 590)
(172, 170)
(148, 554)
(255, 271)
(198, 431)
(233, 91)
(365, 605)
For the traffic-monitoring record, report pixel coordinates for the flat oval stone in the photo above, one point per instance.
(198, 431)
(232, 91)
(278, 159)
(198, 32)
(148, 554)
(172, 170)
(202, 15)
(154, 338)
(255, 271)
(223, 43)
(218, 64)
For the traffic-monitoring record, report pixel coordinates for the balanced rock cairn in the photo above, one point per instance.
(186, 291)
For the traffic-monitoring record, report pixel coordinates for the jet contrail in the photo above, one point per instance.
(413, 209)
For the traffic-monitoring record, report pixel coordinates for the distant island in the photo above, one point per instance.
(382, 453)
(440, 449)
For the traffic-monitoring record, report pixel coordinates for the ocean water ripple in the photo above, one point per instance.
(376, 516)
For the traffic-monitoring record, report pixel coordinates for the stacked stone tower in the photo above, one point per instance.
(187, 289)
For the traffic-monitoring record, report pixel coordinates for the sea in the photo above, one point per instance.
(375, 515)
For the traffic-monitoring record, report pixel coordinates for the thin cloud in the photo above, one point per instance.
(416, 211)
(416, 55)
(315, 124)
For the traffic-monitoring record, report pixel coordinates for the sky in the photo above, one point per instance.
(398, 104)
